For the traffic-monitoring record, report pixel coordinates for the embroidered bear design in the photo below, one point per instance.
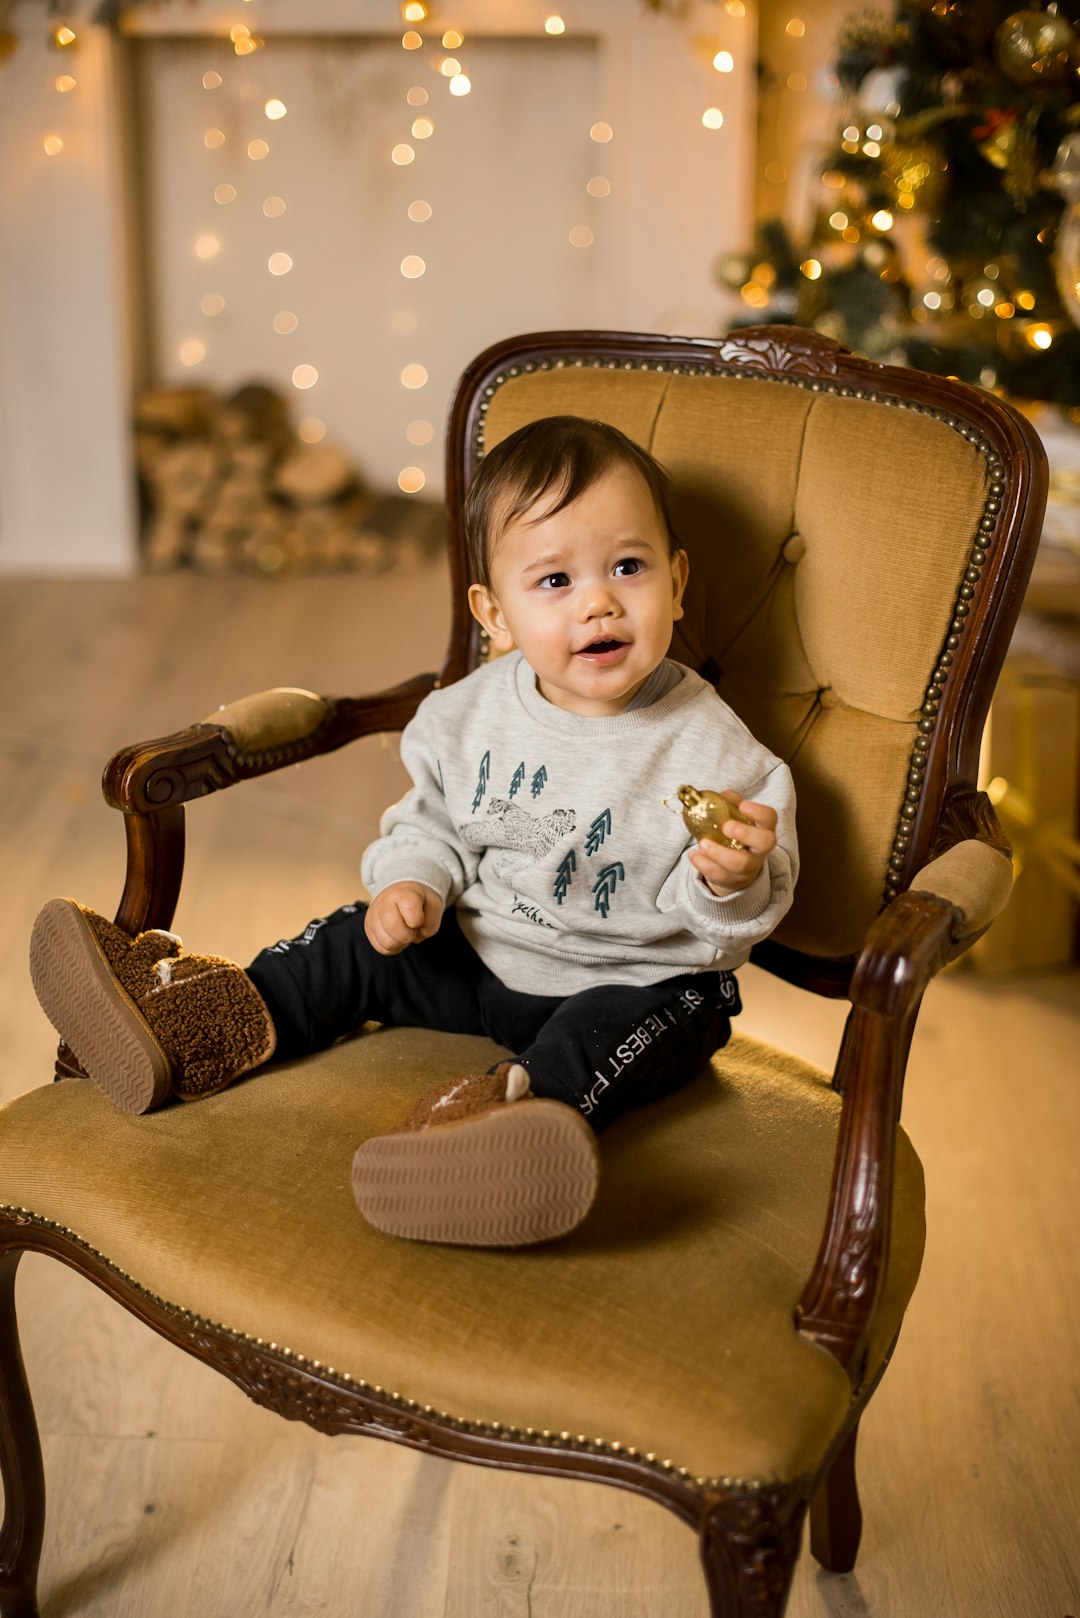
(508, 825)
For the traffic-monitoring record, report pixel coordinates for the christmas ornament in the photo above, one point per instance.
(917, 172)
(1067, 259)
(1065, 169)
(1034, 46)
(704, 814)
(1012, 147)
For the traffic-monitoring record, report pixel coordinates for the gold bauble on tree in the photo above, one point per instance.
(1034, 46)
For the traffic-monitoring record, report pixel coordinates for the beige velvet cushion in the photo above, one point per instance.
(663, 1323)
(819, 596)
(270, 718)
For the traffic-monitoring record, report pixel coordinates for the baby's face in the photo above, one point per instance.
(588, 595)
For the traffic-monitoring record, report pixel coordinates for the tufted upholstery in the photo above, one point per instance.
(785, 500)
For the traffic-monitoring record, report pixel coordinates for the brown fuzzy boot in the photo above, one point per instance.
(481, 1163)
(145, 1020)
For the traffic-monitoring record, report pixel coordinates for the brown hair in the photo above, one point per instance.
(561, 454)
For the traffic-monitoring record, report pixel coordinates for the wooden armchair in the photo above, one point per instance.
(859, 538)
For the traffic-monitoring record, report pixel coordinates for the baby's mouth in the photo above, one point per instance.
(597, 648)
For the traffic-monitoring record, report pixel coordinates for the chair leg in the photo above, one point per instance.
(835, 1513)
(20, 1465)
(749, 1545)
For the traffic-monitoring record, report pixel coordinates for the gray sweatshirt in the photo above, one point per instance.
(548, 832)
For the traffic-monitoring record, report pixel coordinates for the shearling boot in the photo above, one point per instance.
(480, 1163)
(145, 1020)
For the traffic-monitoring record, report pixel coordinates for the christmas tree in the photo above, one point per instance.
(947, 235)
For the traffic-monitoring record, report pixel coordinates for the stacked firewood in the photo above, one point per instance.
(228, 486)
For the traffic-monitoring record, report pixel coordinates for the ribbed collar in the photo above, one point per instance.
(671, 698)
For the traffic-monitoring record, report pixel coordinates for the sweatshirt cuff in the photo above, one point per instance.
(428, 872)
(735, 908)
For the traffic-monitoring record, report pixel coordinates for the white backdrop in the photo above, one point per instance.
(101, 282)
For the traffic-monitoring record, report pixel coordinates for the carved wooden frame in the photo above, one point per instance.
(748, 1533)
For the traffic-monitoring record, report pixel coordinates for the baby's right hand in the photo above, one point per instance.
(404, 913)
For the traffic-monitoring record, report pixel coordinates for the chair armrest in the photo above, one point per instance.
(972, 866)
(248, 738)
(910, 941)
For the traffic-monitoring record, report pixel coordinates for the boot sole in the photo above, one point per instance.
(521, 1172)
(91, 1011)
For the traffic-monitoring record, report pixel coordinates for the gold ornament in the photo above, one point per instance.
(704, 814)
(1034, 46)
(1065, 170)
(1067, 261)
(917, 172)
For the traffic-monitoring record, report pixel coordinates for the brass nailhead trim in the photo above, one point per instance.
(986, 526)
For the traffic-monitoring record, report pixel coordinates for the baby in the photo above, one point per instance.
(530, 887)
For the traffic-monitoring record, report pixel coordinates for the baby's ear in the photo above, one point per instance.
(484, 606)
(680, 572)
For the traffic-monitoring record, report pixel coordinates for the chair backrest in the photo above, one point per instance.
(859, 539)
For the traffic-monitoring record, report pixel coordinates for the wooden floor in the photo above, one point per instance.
(172, 1497)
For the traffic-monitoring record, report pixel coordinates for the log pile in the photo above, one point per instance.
(227, 486)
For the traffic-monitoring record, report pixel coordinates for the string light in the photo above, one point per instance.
(554, 25)
(598, 186)
(712, 118)
(419, 211)
(212, 304)
(811, 268)
(213, 138)
(412, 267)
(1040, 337)
(275, 109)
(452, 40)
(257, 150)
(601, 132)
(413, 376)
(63, 36)
(279, 264)
(224, 194)
(449, 67)
(207, 247)
(211, 80)
(312, 430)
(411, 40)
(581, 236)
(285, 322)
(64, 83)
(796, 28)
(402, 154)
(417, 96)
(305, 376)
(411, 480)
(273, 207)
(415, 11)
(419, 432)
(460, 84)
(53, 143)
(193, 352)
(422, 129)
(724, 62)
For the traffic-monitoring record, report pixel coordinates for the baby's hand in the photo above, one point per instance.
(730, 870)
(402, 914)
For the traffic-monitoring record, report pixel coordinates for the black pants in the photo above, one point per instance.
(602, 1050)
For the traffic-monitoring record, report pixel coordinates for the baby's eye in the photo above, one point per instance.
(628, 567)
(554, 581)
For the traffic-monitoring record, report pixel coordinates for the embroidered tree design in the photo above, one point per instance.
(481, 785)
(519, 777)
(539, 781)
(604, 886)
(564, 875)
(598, 830)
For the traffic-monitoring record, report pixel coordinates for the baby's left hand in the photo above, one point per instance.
(730, 870)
